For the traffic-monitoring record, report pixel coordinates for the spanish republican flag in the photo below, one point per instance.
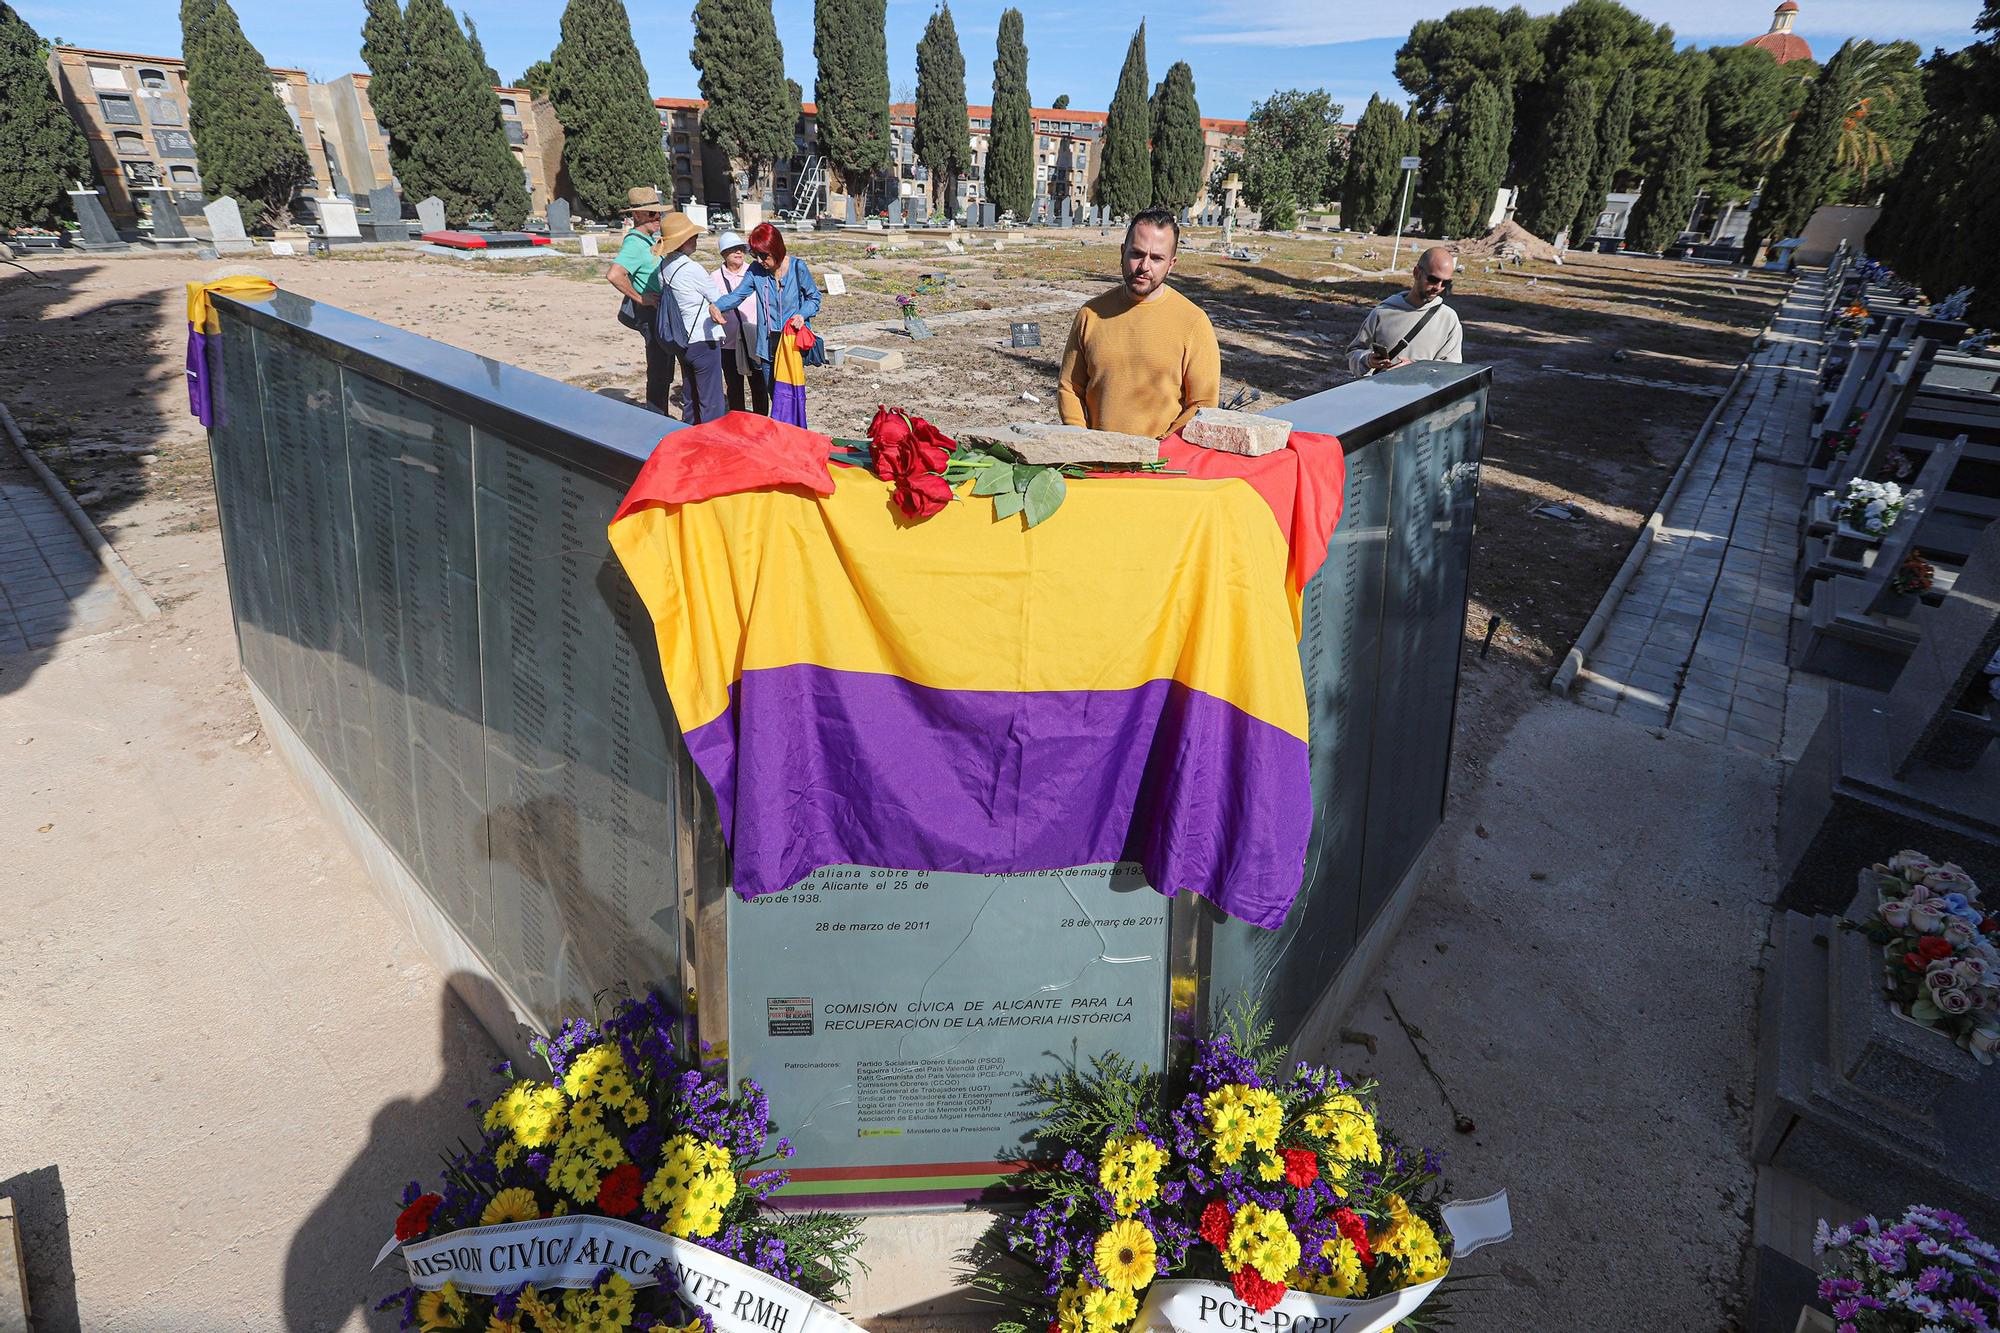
(963, 693)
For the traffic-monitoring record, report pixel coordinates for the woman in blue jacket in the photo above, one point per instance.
(787, 299)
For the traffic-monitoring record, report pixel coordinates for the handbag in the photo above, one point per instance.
(629, 316)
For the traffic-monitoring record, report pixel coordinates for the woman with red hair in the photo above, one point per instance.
(781, 339)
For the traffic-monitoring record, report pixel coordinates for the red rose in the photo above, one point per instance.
(1216, 1223)
(1913, 962)
(1933, 947)
(922, 494)
(905, 445)
(1254, 1290)
(1355, 1231)
(1301, 1166)
(415, 1220)
(619, 1193)
(1987, 925)
(933, 445)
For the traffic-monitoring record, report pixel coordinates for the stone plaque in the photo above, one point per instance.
(587, 246)
(336, 219)
(163, 111)
(225, 226)
(558, 218)
(173, 143)
(895, 1012)
(834, 282)
(1026, 335)
(430, 214)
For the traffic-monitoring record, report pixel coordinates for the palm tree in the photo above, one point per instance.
(1873, 81)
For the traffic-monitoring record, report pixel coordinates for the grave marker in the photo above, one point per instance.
(587, 246)
(559, 218)
(97, 234)
(834, 281)
(337, 223)
(225, 227)
(168, 233)
(896, 212)
(1026, 335)
(1959, 637)
(430, 215)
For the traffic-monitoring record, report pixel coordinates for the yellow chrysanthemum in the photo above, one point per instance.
(536, 1306)
(515, 1205)
(1069, 1308)
(1107, 1311)
(532, 1112)
(443, 1308)
(1127, 1255)
(1242, 1117)
(608, 1309)
(692, 1187)
(508, 1153)
(1409, 1240)
(1348, 1278)
(1262, 1239)
(1343, 1120)
(1129, 1171)
(495, 1324)
(1270, 1167)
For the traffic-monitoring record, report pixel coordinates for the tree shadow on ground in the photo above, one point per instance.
(36, 596)
(327, 1268)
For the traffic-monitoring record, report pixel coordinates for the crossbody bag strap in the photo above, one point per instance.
(1415, 329)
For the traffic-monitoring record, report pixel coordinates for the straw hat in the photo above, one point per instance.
(643, 199)
(675, 229)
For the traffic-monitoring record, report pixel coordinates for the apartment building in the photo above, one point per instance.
(134, 113)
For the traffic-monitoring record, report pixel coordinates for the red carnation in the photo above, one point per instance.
(415, 1220)
(1913, 962)
(1355, 1231)
(1216, 1224)
(1933, 947)
(1989, 924)
(1301, 1166)
(619, 1193)
(1255, 1290)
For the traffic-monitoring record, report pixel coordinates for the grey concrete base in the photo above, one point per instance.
(500, 1012)
(171, 243)
(1784, 1275)
(1320, 1028)
(100, 247)
(232, 247)
(1843, 808)
(512, 252)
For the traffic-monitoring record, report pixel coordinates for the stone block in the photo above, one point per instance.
(1046, 444)
(875, 358)
(1247, 433)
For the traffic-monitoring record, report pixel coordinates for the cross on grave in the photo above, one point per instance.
(96, 234)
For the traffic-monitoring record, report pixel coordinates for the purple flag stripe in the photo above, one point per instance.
(814, 767)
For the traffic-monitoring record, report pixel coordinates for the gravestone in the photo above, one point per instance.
(168, 233)
(874, 224)
(990, 214)
(914, 326)
(384, 219)
(1067, 217)
(1025, 335)
(895, 212)
(834, 282)
(1184, 217)
(281, 249)
(920, 210)
(430, 215)
(337, 225)
(558, 216)
(1928, 706)
(853, 216)
(697, 214)
(225, 227)
(97, 234)
(587, 246)
(1103, 215)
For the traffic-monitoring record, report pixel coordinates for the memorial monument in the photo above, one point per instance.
(95, 234)
(225, 227)
(168, 232)
(474, 696)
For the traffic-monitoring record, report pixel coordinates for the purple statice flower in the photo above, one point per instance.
(766, 1183)
(411, 1192)
(538, 1162)
(1172, 1192)
(1073, 1161)
(408, 1297)
(1217, 1062)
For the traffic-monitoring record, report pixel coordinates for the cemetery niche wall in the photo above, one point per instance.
(448, 655)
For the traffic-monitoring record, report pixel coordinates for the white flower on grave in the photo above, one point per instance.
(1952, 1000)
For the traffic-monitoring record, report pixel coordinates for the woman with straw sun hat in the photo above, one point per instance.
(684, 322)
(635, 274)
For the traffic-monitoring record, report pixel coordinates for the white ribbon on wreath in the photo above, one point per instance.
(571, 1251)
(1185, 1306)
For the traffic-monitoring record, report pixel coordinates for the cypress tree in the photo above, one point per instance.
(1010, 148)
(479, 51)
(598, 87)
(1368, 192)
(941, 137)
(443, 120)
(385, 50)
(1471, 160)
(1932, 227)
(1662, 209)
(41, 149)
(1798, 182)
(1125, 176)
(1555, 191)
(246, 144)
(850, 44)
(1178, 146)
(535, 78)
(1613, 151)
(1061, 103)
(743, 79)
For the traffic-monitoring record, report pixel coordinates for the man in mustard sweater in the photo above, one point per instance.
(1142, 357)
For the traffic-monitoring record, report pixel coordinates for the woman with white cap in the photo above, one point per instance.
(739, 361)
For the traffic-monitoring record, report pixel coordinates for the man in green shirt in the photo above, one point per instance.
(635, 272)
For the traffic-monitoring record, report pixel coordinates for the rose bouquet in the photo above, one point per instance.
(1269, 1180)
(925, 466)
(624, 1192)
(1942, 968)
(1926, 1272)
(1913, 576)
(1871, 506)
(1841, 441)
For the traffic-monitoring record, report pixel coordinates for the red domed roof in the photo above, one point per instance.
(1789, 7)
(1783, 46)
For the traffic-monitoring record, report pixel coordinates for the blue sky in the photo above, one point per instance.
(1241, 50)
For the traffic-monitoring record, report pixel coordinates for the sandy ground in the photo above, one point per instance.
(229, 1049)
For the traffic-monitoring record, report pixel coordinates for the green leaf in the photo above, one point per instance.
(1008, 503)
(1045, 495)
(1926, 1013)
(993, 479)
(1025, 473)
